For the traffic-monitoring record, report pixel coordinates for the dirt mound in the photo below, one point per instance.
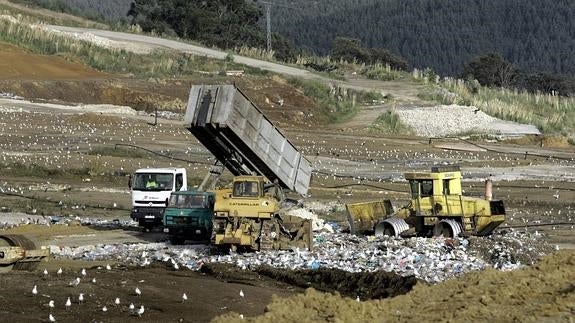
(549, 141)
(542, 292)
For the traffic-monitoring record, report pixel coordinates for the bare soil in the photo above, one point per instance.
(40, 67)
(161, 295)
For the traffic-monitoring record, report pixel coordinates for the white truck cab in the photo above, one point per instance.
(150, 189)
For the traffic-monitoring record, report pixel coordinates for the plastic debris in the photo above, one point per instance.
(429, 259)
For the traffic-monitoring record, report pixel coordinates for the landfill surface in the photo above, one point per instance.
(541, 293)
(429, 259)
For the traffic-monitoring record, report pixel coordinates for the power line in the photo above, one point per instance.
(268, 6)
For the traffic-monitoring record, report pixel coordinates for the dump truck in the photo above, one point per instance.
(150, 190)
(19, 253)
(188, 216)
(437, 208)
(264, 162)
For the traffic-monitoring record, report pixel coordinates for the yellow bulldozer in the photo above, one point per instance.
(249, 215)
(437, 208)
(19, 253)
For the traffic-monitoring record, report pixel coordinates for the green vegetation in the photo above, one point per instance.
(382, 73)
(221, 23)
(5, 9)
(535, 35)
(33, 170)
(351, 50)
(390, 123)
(101, 10)
(337, 104)
(158, 63)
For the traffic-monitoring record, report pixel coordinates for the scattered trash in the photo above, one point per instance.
(429, 259)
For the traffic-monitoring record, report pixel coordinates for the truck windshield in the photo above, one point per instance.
(181, 201)
(153, 182)
(246, 189)
(421, 188)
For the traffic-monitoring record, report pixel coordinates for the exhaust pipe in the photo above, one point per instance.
(489, 189)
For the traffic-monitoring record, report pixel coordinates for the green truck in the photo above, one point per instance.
(189, 215)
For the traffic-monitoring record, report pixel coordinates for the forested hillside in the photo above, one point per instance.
(105, 10)
(534, 35)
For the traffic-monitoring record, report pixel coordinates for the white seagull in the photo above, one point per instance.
(51, 304)
(241, 293)
(45, 272)
(75, 282)
(141, 310)
(59, 272)
(35, 290)
(52, 318)
(138, 292)
(68, 303)
(117, 301)
(108, 267)
(184, 297)
(81, 298)
(104, 309)
(83, 272)
(131, 307)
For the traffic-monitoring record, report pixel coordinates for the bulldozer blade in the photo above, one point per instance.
(364, 216)
(19, 253)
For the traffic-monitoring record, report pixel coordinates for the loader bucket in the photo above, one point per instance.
(364, 216)
(19, 253)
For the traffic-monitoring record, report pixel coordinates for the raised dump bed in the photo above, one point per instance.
(240, 136)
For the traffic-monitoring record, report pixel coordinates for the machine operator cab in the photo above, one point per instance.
(435, 188)
(441, 181)
(250, 186)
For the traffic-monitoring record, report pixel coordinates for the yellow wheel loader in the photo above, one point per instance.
(19, 253)
(437, 208)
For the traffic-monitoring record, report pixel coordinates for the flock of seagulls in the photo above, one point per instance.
(81, 296)
(68, 304)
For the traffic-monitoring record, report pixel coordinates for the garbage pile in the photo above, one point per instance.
(429, 259)
(11, 219)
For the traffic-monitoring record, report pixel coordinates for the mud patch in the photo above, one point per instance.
(374, 285)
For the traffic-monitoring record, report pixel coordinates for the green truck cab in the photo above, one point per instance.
(188, 216)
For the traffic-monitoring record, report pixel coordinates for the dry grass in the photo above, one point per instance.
(549, 113)
(26, 32)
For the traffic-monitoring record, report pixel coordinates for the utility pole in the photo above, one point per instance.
(269, 20)
(268, 24)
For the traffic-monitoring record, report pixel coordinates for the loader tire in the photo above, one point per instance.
(15, 240)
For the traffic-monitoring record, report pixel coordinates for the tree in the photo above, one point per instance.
(349, 49)
(491, 70)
